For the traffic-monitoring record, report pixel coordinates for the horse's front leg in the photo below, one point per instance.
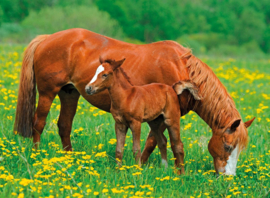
(135, 127)
(121, 131)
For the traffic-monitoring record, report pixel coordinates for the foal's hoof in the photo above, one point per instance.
(164, 163)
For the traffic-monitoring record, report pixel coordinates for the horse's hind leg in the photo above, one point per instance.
(44, 104)
(151, 143)
(69, 97)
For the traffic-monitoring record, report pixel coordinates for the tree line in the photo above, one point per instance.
(205, 25)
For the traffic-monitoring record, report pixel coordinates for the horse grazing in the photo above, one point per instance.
(64, 62)
(154, 103)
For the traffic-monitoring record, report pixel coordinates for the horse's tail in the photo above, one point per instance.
(180, 86)
(26, 104)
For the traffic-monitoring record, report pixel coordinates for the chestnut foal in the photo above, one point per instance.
(131, 105)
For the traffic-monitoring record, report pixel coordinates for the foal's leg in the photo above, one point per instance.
(161, 139)
(121, 131)
(151, 143)
(176, 143)
(69, 100)
(135, 127)
(44, 104)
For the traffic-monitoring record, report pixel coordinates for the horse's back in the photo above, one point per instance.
(72, 56)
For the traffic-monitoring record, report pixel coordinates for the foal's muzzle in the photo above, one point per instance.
(89, 90)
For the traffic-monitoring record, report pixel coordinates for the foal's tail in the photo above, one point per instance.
(26, 104)
(180, 86)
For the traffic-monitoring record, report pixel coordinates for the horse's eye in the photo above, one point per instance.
(104, 75)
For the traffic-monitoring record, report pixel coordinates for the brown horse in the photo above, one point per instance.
(154, 103)
(64, 62)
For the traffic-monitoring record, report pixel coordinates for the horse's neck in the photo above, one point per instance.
(216, 117)
(119, 87)
(216, 108)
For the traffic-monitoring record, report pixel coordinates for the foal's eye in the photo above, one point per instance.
(104, 75)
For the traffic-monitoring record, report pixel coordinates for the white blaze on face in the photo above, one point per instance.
(99, 70)
(230, 168)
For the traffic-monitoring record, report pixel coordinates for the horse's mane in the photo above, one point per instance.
(217, 108)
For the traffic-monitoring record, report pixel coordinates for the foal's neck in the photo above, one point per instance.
(119, 86)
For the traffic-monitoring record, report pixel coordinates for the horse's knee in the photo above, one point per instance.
(179, 148)
(39, 126)
(63, 129)
(163, 145)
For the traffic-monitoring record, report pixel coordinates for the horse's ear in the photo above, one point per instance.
(101, 60)
(117, 64)
(234, 126)
(248, 123)
(178, 87)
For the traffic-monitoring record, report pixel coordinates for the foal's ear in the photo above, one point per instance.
(117, 64)
(101, 60)
(248, 123)
(234, 126)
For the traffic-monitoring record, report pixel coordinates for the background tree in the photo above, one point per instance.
(210, 24)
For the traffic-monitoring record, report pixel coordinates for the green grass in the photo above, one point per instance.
(91, 170)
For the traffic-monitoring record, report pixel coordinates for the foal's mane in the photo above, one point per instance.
(111, 61)
(125, 75)
(217, 107)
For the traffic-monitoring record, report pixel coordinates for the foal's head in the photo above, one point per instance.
(103, 77)
(226, 145)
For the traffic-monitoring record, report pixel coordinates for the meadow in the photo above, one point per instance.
(91, 170)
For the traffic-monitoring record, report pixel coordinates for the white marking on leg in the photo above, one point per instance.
(99, 70)
(230, 168)
(164, 163)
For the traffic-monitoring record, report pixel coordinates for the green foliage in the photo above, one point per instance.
(217, 23)
(250, 26)
(210, 23)
(266, 40)
(51, 20)
(195, 46)
(10, 31)
(250, 50)
(17, 10)
(144, 20)
(1, 15)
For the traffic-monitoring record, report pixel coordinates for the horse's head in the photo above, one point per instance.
(103, 77)
(226, 145)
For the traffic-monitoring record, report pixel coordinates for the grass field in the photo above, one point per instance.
(91, 170)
